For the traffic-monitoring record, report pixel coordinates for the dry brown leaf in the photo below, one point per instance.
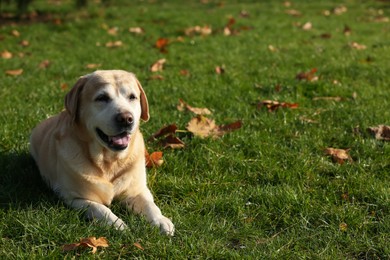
(204, 127)
(91, 242)
(172, 141)
(184, 72)
(156, 77)
(338, 155)
(293, 12)
(44, 64)
(347, 30)
(114, 44)
(138, 245)
(64, 86)
(162, 44)
(16, 72)
(6, 55)
(113, 31)
(158, 65)
(380, 132)
(24, 43)
(220, 70)
(198, 111)
(338, 99)
(198, 30)
(309, 76)
(357, 46)
(136, 30)
(154, 159)
(93, 65)
(15, 33)
(307, 26)
(273, 105)
(169, 129)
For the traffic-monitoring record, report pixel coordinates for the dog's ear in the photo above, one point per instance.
(72, 101)
(144, 103)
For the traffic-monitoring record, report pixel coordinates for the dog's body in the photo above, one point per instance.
(94, 152)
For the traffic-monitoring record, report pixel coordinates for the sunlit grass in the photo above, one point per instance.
(264, 191)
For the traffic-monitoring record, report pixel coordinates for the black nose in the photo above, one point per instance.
(124, 119)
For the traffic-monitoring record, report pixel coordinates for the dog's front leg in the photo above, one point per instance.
(144, 204)
(98, 211)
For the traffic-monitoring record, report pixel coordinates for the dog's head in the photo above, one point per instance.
(109, 105)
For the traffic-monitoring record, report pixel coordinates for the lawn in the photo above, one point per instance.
(264, 191)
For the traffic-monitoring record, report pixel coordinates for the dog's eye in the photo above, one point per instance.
(102, 98)
(132, 97)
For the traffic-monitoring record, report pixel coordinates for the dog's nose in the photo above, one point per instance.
(124, 119)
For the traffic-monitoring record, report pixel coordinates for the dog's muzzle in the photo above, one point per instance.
(118, 142)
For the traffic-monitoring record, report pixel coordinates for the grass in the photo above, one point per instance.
(266, 191)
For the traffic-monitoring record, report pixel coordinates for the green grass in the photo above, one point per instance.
(266, 191)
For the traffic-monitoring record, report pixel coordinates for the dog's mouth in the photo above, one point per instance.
(117, 142)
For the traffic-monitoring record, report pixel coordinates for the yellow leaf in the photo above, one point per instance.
(16, 72)
(158, 65)
(6, 55)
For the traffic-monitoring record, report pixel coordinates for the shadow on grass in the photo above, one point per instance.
(20, 182)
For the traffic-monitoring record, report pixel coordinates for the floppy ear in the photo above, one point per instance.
(144, 102)
(72, 101)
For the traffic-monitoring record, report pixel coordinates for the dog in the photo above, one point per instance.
(93, 151)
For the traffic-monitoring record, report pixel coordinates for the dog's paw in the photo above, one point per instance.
(165, 224)
(119, 225)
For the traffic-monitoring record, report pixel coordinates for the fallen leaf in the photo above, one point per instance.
(307, 26)
(138, 245)
(357, 46)
(158, 65)
(307, 120)
(338, 155)
(64, 86)
(162, 44)
(172, 141)
(15, 33)
(184, 72)
(380, 132)
(91, 242)
(343, 227)
(113, 31)
(114, 44)
(219, 70)
(229, 30)
(273, 105)
(347, 30)
(272, 48)
(6, 55)
(136, 30)
(198, 30)
(309, 76)
(338, 99)
(293, 12)
(24, 43)
(16, 72)
(339, 10)
(154, 159)
(156, 77)
(198, 111)
(93, 66)
(169, 129)
(204, 127)
(44, 64)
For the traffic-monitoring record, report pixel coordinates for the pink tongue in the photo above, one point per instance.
(120, 140)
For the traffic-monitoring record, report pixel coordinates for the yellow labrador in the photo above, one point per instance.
(93, 151)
